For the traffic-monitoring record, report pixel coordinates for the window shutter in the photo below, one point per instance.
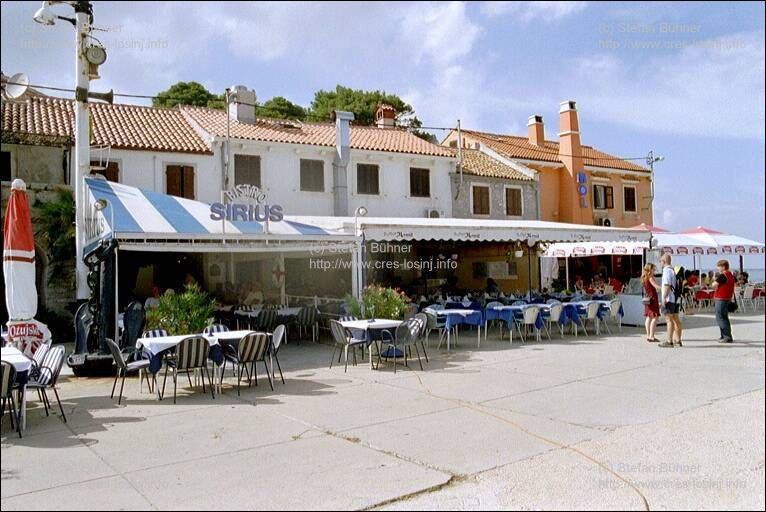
(513, 202)
(610, 197)
(173, 180)
(481, 201)
(312, 175)
(420, 183)
(367, 179)
(188, 182)
(247, 170)
(111, 173)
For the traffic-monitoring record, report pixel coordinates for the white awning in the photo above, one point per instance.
(569, 250)
(392, 229)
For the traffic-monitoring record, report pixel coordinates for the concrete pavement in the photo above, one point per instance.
(600, 422)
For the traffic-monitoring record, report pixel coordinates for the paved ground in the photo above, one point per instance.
(610, 422)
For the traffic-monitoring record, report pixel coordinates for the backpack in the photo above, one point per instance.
(680, 284)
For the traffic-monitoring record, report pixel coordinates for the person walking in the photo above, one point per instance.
(652, 306)
(671, 303)
(724, 292)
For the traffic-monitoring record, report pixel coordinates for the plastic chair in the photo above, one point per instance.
(528, 317)
(614, 314)
(557, 309)
(276, 342)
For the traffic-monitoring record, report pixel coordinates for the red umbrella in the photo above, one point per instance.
(19, 269)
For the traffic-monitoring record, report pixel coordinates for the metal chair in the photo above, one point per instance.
(276, 341)
(252, 348)
(266, 319)
(614, 314)
(307, 318)
(124, 367)
(48, 377)
(7, 381)
(406, 335)
(191, 354)
(342, 338)
(210, 329)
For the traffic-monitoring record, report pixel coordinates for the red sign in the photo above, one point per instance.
(698, 250)
(667, 250)
(27, 335)
(578, 250)
(597, 250)
(683, 250)
(754, 250)
(712, 250)
(618, 249)
(740, 249)
(726, 249)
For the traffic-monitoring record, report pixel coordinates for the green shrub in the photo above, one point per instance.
(378, 302)
(188, 312)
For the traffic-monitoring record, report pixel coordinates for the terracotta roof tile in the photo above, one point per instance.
(118, 126)
(319, 134)
(480, 164)
(519, 147)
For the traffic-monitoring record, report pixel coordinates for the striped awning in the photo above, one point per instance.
(582, 249)
(134, 213)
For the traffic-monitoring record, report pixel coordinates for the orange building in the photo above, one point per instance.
(578, 184)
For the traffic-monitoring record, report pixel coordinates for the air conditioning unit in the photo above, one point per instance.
(606, 222)
(432, 213)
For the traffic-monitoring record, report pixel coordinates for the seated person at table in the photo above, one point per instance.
(743, 278)
(579, 284)
(692, 280)
(254, 296)
(615, 284)
(154, 300)
(703, 282)
(492, 288)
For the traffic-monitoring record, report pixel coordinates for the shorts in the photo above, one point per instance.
(671, 308)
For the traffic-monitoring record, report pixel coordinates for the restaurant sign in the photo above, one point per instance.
(246, 203)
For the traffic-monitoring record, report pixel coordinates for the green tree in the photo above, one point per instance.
(281, 108)
(188, 93)
(364, 104)
(55, 225)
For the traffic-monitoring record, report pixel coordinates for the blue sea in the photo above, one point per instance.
(756, 275)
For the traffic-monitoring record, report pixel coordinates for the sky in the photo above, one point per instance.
(684, 79)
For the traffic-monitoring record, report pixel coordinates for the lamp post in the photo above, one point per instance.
(358, 278)
(83, 19)
(651, 159)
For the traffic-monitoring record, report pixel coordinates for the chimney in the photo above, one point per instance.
(574, 197)
(385, 116)
(242, 104)
(536, 130)
(340, 162)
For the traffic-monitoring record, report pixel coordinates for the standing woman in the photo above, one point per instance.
(652, 308)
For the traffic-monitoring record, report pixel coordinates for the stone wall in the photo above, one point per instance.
(461, 206)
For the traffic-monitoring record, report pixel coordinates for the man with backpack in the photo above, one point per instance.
(724, 292)
(670, 302)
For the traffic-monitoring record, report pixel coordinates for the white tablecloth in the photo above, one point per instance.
(156, 345)
(14, 356)
(286, 311)
(375, 324)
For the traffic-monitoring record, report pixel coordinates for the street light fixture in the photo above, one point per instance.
(651, 159)
(360, 211)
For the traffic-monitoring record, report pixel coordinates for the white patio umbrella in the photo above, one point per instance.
(724, 243)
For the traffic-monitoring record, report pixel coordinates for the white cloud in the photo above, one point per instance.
(527, 12)
(441, 32)
(714, 88)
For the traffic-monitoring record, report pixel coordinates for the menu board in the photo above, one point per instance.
(500, 270)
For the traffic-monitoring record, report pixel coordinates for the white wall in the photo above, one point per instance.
(394, 199)
(146, 170)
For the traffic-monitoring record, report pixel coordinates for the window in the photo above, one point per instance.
(453, 144)
(312, 175)
(480, 200)
(367, 179)
(629, 196)
(513, 206)
(603, 197)
(247, 170)
(5, 171)
(111, 171)
(180, 181)
(420, 182)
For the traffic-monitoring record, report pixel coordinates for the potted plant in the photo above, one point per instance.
(188, 312)
(378, 302)
(515, 251)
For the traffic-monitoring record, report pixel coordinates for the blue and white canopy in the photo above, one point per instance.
(135, 214)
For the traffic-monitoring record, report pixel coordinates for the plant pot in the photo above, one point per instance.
(519, 254)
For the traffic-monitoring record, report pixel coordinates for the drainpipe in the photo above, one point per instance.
(340, 162)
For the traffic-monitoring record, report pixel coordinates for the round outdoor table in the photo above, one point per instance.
(371, 330)
(22, 364)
